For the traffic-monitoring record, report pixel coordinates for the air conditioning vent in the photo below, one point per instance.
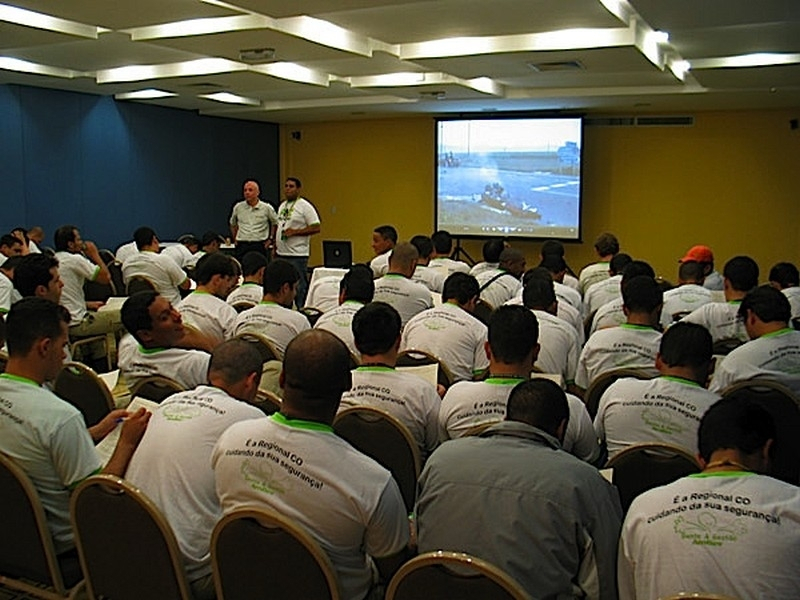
(558, 65)
(676, 121)
(609, 122)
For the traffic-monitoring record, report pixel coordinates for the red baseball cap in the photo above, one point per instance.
(701, 254)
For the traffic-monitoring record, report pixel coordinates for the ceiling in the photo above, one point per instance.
(347, 59)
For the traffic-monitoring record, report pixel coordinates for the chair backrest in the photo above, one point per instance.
(268, 402)
(265, 348)
(242, 305)
(444, 575)
(27, 555)
(641, 467)
(382, 437)
(600, 384)
(311, 313)
(127, 549)
(413, 358)
(93, 290)
(80, 386)
(482, 311)
(724, 347)
(782, 405)
(117, 280)
(137, 283)
(796, 323)
(257, 553)
(697, 596)
(155, 388)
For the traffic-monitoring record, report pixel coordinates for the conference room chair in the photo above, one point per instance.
(257, 553)
(155, 388)
(28, 560)
(267, 401)
(242, 305)
(784, 407)
(265, 347)
(311, 313)
(76, 348)
(724, 347)
(601, 383)
(80, 386)
(127, 549)
(385, 439)
(118, 281)
(796, 323)
(442, 575)
(641, 467)
(138, 283)
(697, 596)
(416, 358)
(483, 310)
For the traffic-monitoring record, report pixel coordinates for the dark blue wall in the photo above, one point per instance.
(109, 167)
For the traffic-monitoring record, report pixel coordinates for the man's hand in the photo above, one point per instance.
(107, 424)
(94, 304)
(90, 250)
(133, 428)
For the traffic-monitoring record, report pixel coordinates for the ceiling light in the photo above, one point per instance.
(202, 66)
(679, 68)
(8, 63)
(146, 94)
(758, 59)
(29, 18)
(293, 72)
(228, 98)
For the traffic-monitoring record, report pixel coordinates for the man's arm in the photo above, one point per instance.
(310, 230)
(107, 424)
(91, 252)
(132, 431)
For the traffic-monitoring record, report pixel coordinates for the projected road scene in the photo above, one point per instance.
(515, 178)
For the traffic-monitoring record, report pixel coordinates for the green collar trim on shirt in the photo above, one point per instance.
(634, 326)
(249, 283)
(777, 333)
(269, 302)
(683, 380)
(19, 379)
(734, 301)
(144, 350)
(395, 276)
(353, 302)
(301, 424)
(200, 292)
(375, 368)
(723, 474)
(503, 380)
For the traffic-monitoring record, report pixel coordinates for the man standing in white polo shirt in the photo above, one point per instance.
(252, 222)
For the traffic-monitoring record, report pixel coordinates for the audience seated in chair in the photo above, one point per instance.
(397, 289)
(433, 279)
(252, 288)
(205, 308)
(356, 289)
(165, 275)
(688, 296)
(606, 246)
(440, 259)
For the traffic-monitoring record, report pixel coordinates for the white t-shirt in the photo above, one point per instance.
(665, 409)
(295, 214)
(448, 266)
(470, 403)
(247, 292)
(774, 356)
(566, 312)
(407, 297)
(504, 287)
(126, 251)
(160, 270)
(188, 367)
(572, 281)
(275, 322)
(6, 293)
(559, 350)
(209, 314)
(349, 503)
(48, 438)
(172, 465)
(253, 221)
(409, 398)
(602, 292)
(75, 270)
(592, 274)
(728, 533)
(793, 295)
(480, 267)
(453, 336)
(571, 296)
(714, 281)
(323, 293)
(721, 320)
(607, 316)
(380, 264)
(624, 347)
(433, 279)
(684, 298)
(181, 255)
(339, 322)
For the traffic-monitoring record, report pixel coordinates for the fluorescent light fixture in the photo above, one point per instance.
(388, 80)
(659, 37)
(8, 63)
(679, 68)
(202, 66)
(29, 18)
(758, 59)
(146, 94)
(228, 98)
(205, 26)
(293, 72)
(325, 33)
(335, 102)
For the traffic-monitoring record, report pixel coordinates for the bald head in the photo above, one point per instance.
(403, 259)
(513, 261)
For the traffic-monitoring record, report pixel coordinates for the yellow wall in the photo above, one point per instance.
(732, 181)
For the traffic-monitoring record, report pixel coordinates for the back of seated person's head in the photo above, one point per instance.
(540, 403)
(636, 268)
(538, 294)
(33, 271)
(686, 345)
(376, 328)
(190, 241)
(11, 263)
(642, 294)
(735, 423)
(387, 232)
(61, 237)
(536, 273)
(135, 312)
(32, 319)
(553, 263)
(143, 237)
(768, 304)
(252, 262)
(358, 284)
(513, 333)
(691, 271)
(278, 273)
(404, 255)
(784, 275)
(618, 264)
(423, 244)
(233, 361)
(460, 287)
(492, 249)
(215, 264)
(552, 248)
(606, 244)
(742, 273)
(442, 242)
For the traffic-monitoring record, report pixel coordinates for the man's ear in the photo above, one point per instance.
(488, 350)
(282, 379)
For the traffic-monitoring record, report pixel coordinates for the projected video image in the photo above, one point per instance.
(509, 177)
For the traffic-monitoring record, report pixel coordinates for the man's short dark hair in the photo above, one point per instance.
(540, 403)
(492, 249)
(691, 271)
(32, 319)
(11, 263)
(234, 360)
(785, 274)
(316, 370)
(553, 263)
(742, 273)
(735, 423)
(460, 287)
(376, 327)
(423, 245)
(9, 240)
(295, 180)
(768, 304)
(278, 273)
(215, 264)
(619, 262)
(606, 244)
(513, 333)
(387, 232)
(642, 294)
(61, 237)
(358, 284)
(144, 236)
(536, 273)
(32, 271)
(686, 345)
(538, 294)
(552, 248)
(252, 262)
(135, 312)
(442, 242)
(636, 268)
